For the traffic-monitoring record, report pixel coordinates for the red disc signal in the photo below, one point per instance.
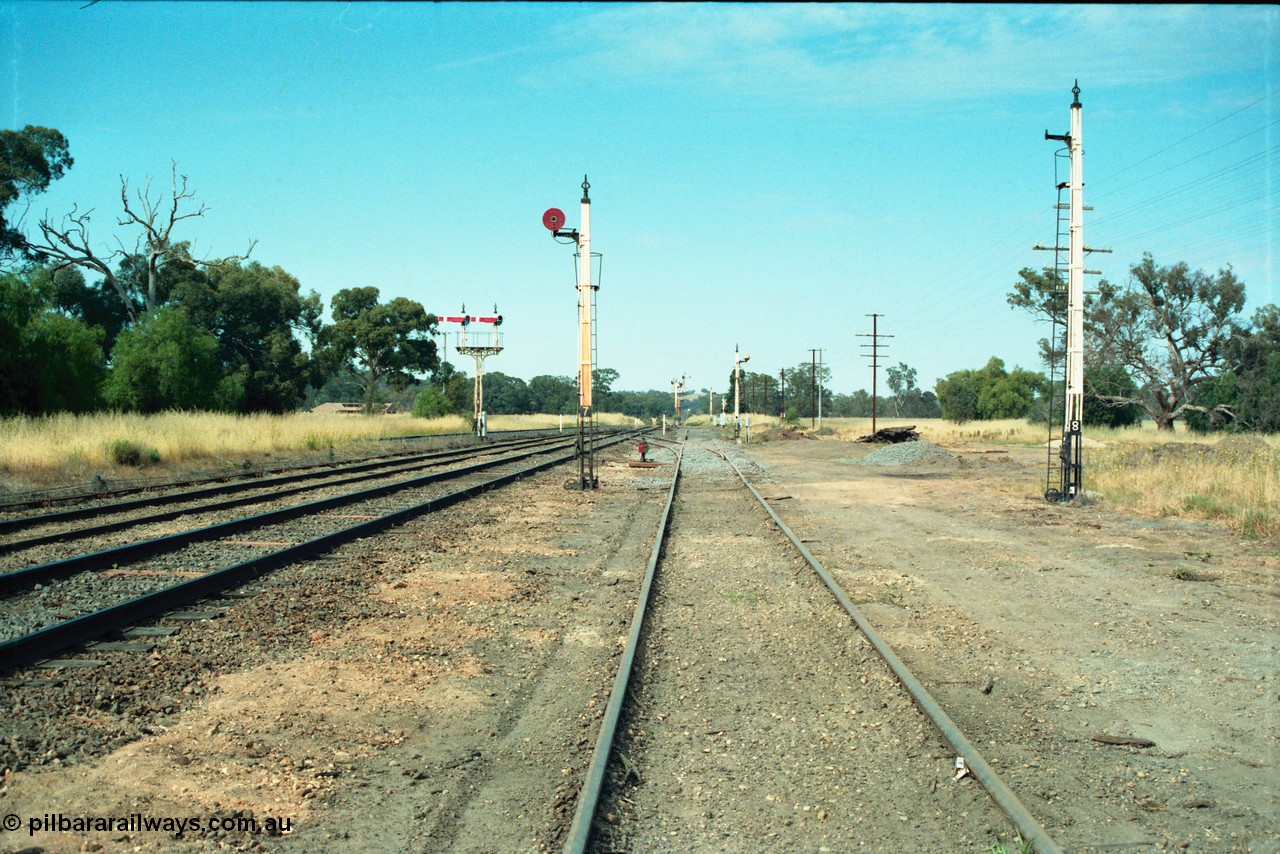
(553, 219)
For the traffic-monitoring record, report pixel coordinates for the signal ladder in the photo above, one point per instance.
(1058, 335)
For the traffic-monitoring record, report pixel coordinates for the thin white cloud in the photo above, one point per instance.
(871, 54)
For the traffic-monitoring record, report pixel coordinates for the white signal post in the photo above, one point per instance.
(553, 219)
(584, 306)
(1073, 412)
(737, 383)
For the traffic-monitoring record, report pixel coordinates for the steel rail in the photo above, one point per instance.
(384, 462)
(584, 814)
(21, 579)
(32, 648)
(1027, 826)
(358, 473)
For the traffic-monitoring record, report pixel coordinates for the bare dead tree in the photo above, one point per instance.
(69, 244)
(156, 228)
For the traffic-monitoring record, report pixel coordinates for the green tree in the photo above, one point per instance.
(95, 305)
(505, 395)
(602, 380)
(382, 342)
(431, 403)
(257, 313)
(1007, 394)
(460, 391)
(762, 392)
(1103, 383)
(553, 395)
(167, 362)
(1258, 366)
(958, 396)
(48, 362)
(1170, 328)
(66, 365)
(1044, 297)
(20, 303)
(908, 399)
(1246, 396)
(30, 159)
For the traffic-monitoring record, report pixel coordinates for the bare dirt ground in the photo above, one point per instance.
(1085, 624)
(446, 695)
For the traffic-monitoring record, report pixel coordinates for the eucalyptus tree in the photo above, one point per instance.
(381, 342)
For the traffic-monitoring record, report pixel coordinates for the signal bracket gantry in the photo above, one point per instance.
(481, 346)
(553, 220)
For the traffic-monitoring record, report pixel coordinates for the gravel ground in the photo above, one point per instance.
(905, 454)
(51, 603)
(762, 718)
(438, 688)
(433, 688)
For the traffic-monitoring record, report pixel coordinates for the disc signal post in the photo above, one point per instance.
(1070, 469)
(480, 344)
(586, 268)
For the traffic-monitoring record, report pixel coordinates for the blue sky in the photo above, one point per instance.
(765, 175)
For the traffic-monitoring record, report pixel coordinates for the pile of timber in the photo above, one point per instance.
(892, 435)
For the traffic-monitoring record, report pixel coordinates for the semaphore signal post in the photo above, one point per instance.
(587, 285)
(1070, 457)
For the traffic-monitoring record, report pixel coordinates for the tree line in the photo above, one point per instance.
(162, 329)
(159, 328)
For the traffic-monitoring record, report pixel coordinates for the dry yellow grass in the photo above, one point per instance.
(1235, 481)
(542, 422)
(43, 449)
(36, 452)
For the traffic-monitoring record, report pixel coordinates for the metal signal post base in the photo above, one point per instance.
(585, 450)
(1070, 454)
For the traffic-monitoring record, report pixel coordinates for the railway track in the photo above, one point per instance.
(57, 526)
(686, 757)
(205, 561)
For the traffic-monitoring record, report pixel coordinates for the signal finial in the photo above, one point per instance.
(1075, 90)
(585, 186)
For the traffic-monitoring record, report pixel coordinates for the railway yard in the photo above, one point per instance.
(419, 652)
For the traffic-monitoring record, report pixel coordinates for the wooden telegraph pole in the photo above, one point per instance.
(875, 346)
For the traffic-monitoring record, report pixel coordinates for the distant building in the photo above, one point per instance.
(351, 409)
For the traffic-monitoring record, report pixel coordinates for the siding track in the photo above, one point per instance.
(746, 712)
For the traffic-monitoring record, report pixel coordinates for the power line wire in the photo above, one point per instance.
(1188, 160)
(1189, 136)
